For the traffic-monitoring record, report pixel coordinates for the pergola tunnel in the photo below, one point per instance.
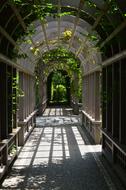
(63, 53)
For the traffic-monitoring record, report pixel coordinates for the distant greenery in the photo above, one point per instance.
(59, 59)
(58, 78)
(58, 88)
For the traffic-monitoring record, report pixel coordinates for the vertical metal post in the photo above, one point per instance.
(3, 101)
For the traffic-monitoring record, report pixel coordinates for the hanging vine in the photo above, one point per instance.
(58, 59)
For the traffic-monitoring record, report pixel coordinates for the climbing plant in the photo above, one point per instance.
(62, 55)
(40, 10)
(58, 59)
(58, 87)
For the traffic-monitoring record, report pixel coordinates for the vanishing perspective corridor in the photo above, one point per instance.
(62, 94)
(58, 156)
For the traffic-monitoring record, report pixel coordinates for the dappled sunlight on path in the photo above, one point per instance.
(57, 157)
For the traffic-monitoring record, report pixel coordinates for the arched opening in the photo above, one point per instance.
(94, 32)
(58, 79)
(58, 88)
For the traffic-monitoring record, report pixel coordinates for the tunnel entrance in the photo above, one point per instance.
(87, 40)
(58, 88)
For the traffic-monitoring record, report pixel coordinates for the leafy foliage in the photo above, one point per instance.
(54, 60)
(58, 87)
(61, 55)
(43, 11)
(58, 78)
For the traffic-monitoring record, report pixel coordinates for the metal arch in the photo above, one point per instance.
(51, 29)
(74, 3)
(115, 32)
(5, 59)
(21, 21)
(81, 3)
(93, 28)
(59, 20)
(16, 28)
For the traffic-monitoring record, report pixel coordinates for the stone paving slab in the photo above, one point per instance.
(57, 121)
(58, 158)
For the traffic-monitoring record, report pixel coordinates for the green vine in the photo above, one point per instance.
(54, 60)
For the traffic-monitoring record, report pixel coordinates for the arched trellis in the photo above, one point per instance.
(89, 49)
(112, 43)
(50, 63)
(101, 5)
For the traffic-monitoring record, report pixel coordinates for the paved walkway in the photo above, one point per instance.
(58, 156)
